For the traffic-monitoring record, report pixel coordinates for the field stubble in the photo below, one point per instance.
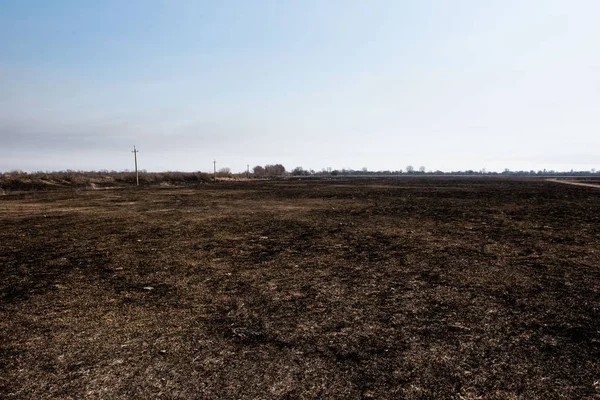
(395, 288)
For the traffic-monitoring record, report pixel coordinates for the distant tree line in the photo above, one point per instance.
(410, 170)
(278, 170)
(48, 179)
(269, 171)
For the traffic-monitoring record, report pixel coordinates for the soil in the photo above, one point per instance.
(417, 288)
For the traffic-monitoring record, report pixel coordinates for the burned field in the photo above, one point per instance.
(345, 289)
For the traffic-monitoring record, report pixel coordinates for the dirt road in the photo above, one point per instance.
(574, 183)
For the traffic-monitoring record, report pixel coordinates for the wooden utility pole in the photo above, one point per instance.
(247, 171)
(137, 176)
(215, 169)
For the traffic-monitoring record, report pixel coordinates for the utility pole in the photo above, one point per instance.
(215, 169)
(247, 171)
(137, 176)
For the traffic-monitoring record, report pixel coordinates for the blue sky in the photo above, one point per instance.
(344, 84)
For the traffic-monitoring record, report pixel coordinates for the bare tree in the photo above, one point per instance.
(422, 169)
(410, 169)
(274, 170)
(299, 171)
(258, 171)
(224, 172)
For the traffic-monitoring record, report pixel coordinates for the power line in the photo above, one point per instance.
(137, 176)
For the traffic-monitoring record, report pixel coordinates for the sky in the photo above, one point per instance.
(449, 85)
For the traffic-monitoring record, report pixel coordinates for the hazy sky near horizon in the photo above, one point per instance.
(451, 85)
